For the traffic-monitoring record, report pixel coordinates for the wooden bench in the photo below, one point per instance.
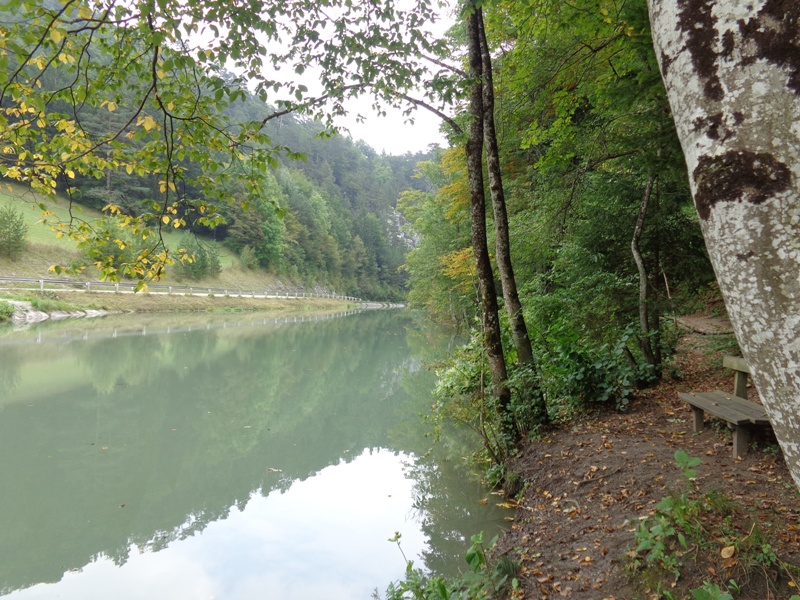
(740, 413)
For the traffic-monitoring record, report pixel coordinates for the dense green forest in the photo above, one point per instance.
(604, 238)
(325, 215)
(284, 193)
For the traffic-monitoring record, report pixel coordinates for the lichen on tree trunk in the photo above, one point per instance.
(732, 73)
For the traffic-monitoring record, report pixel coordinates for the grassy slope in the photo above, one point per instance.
(45, 250)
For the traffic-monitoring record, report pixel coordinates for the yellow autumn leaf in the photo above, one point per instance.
(56, 35)
(111, 106)
(728, 551)
(148, 122)
(165, 220)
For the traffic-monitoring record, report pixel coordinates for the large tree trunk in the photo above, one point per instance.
(732, 72)
(491, 320)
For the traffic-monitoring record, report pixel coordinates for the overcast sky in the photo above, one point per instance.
(391, 134)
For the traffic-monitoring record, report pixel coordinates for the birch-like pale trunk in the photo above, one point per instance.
(732, 72)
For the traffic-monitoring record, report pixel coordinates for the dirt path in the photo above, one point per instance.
(704, 324)
(589, 485)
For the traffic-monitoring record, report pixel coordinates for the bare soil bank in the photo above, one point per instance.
(589, 484)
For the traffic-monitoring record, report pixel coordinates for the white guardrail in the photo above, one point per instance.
(104, 286)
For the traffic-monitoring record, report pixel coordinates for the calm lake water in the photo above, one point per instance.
(234, 457)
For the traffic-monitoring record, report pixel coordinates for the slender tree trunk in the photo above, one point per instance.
(502, 244)
(519, 329)
(644, 320)
(474, 150)
(655, 314)
(732, 73)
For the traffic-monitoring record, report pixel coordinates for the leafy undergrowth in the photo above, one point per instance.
(610, 512)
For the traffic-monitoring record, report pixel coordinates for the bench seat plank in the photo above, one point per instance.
(717, 406)
(756, 413)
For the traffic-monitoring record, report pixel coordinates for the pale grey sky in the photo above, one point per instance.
(391, 134)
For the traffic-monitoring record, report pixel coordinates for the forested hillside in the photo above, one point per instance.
(325, 214)
(272, 184)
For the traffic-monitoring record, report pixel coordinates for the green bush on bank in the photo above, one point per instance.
(6, 311)
(571, 372)
(13, 232)
(201, 261)
(484, 579)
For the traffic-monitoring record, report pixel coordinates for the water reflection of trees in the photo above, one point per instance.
(448, 496)
(9, 372)
(166, 434)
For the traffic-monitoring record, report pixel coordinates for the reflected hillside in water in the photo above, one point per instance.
(140, 433)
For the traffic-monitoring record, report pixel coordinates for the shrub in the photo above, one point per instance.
(484, 579)
(577, 372)
(13, 232)
(200, 261)
(6, 311)
(114, 249)
(248, 259)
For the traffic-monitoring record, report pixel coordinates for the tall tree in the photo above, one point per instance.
(732, 72)
(519, 330)
(474, 151)
(508, 282)
(650, 350)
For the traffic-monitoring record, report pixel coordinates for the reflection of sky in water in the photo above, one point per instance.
(326, 537)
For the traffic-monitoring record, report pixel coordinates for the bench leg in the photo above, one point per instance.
(698, 419)
(740, 440)
(740, 384)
